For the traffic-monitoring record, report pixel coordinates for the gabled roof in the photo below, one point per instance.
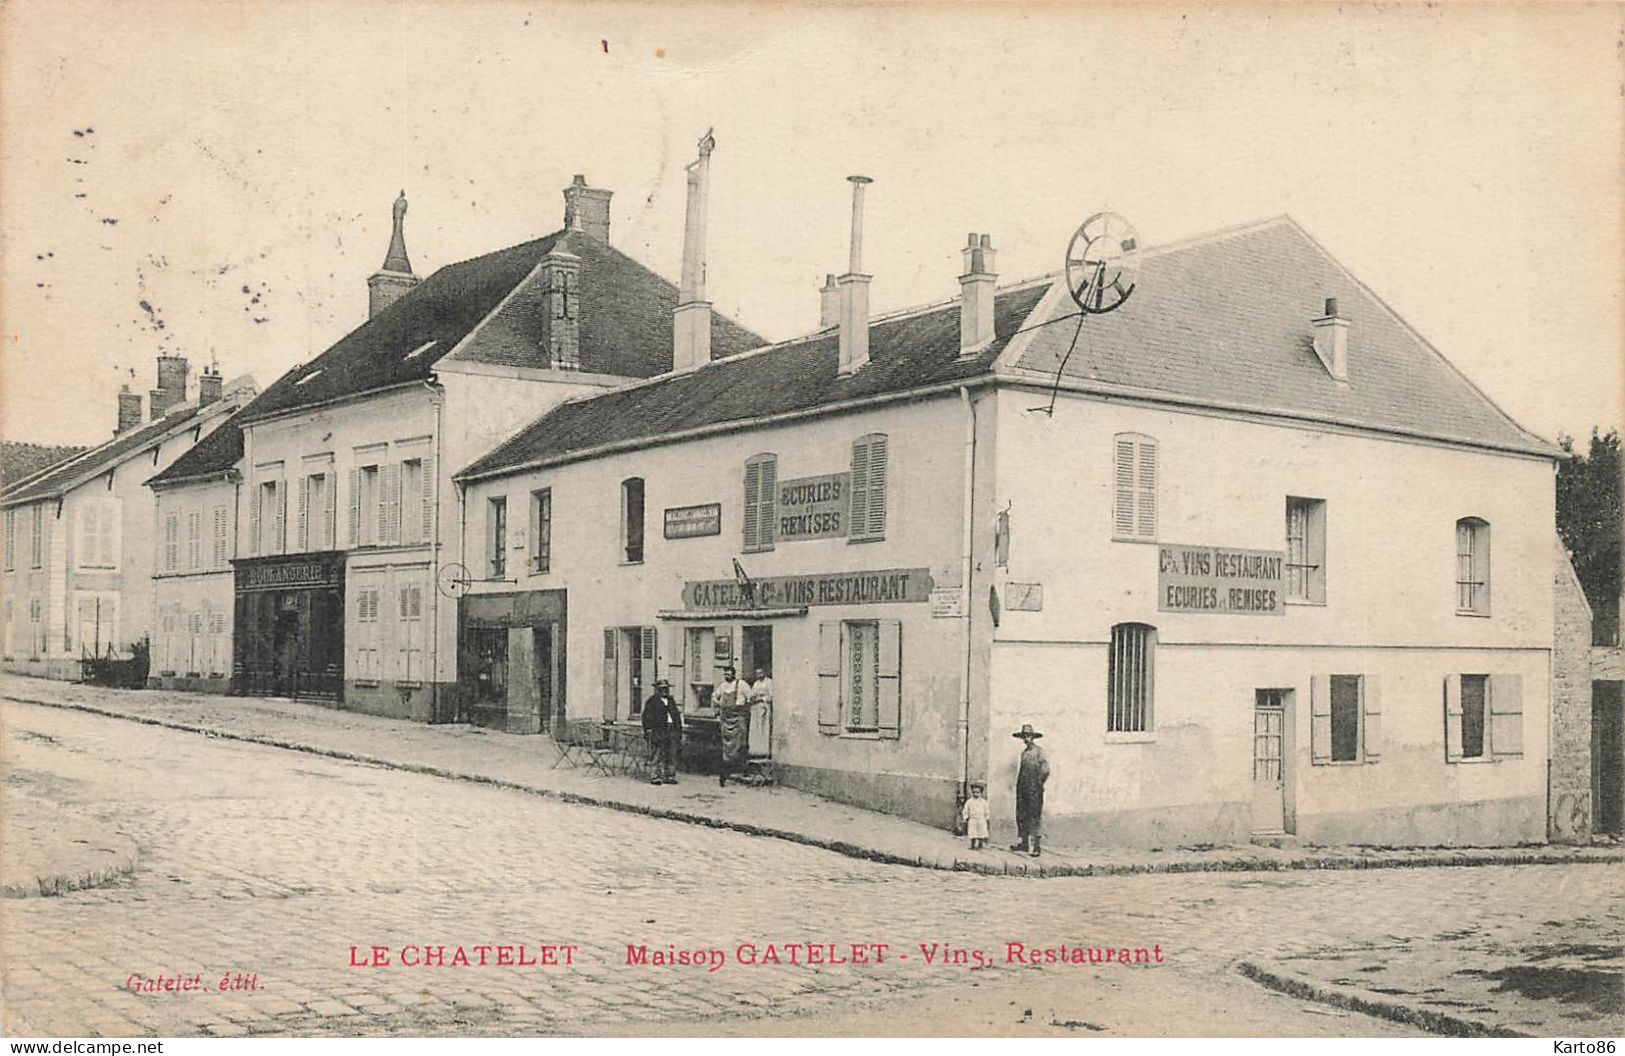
(65, 476)
(214, 456)
(906, 352)
(484, 310)
(19, 461)
(1225, 320)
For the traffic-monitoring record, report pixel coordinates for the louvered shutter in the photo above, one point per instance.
(330, 500)
(610, 643)
(753, 492)
(676, 669)
(876, 528)
(390, 513)
(1371, 703)
(112, 533)
(891, 683)
(279, 529)
(1146, 489)
(220, 543)
(427, 509)
(255, 500)
(1123, 488)
(648, 664)
(1452, 718)
(767, 504)
(1320, 719)
(859, 520)
(304, 513)
(829, 677)
(355, 507)
(1506, 716)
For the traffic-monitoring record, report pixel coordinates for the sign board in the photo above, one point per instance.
(299, 573)
(948, 603)
(1024, 597)
(881, 587)
(691, 522)
(812, 507)
(1220, 580)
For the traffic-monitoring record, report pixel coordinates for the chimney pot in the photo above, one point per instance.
(210, 386)
(976, 288)
(1331, 307)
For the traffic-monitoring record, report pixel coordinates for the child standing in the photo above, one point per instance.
(975, 817)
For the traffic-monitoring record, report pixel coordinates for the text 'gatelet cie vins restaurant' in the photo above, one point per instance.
(1231, 555)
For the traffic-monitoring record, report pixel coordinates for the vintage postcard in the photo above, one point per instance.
(1007, 520)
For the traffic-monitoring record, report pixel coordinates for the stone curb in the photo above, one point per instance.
(120, 863)
(1337, 997)
(1510, 856)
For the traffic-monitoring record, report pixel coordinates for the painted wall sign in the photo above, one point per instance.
(691, 522)
(882, 587)
(813, 507)
(1024, 597)
(1220, 580)
(948, 602)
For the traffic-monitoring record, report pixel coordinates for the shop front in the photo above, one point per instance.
(288, 632)
(511, 667)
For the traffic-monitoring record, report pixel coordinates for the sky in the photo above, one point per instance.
(215, 179)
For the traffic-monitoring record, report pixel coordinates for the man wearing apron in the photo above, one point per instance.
(730, 698)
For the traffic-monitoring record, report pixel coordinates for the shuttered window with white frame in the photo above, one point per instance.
(760, 509)
(1134, 486)
(867, 521)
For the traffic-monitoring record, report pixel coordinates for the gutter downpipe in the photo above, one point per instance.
(437, 396)
(967, 566)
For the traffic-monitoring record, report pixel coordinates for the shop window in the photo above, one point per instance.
(760, 511)
(701, 673)
(1483, 716)
(172, 541)
(869, 495)
(496, 537)
(1134, 486)
(1472, 567)
(1306, 550)
(632, 519)
(1130, 670)
(1345, 719)
(541, 531)
(860, 678)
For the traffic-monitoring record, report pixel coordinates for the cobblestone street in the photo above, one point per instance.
(274, 864)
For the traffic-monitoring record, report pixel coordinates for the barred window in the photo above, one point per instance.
(1473, 566)
(1129, 678)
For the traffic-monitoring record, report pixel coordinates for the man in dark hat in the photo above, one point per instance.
(1030, 778)
(663, 729)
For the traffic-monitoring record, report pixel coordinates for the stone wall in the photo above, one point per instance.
(1568, 799)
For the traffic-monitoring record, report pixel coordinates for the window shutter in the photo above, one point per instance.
(1320, 719)
(876, 529)
(829, 677)
(112, 532)
(1506, 716)
(426, 471)
(1371, 702)
(891, 683)
(610, 643)
(1452, 718)
(648, 663)
(753, 493)
(279, 528)
(304, 513)
(1483, 550)
(1146, 490)
(676, 669)
(1123, 504)
(355, 507)
(220, 548)
(254, 500)
(390, 514)
(858, 522)
(768, 504)
(329, 511)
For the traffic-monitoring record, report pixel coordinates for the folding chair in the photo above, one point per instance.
(593, 747)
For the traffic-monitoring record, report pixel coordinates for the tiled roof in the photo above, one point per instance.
(217, 453)
(625, 325)
(905, 352)
(19, 461)
(97, 460)
(1225, 320)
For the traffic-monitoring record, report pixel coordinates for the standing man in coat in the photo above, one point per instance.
(1030, 778)
(663, 729)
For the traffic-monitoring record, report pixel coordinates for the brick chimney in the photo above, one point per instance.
(854, 287)
(976, 295)
(171, 388)
(586, 209)
(691, 321)
(829, 304)
(561, 310)
(395, 279)
(1332, 341)
(129, 409)
(210, 386)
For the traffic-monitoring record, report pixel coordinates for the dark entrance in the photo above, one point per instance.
(288, 638)
(1607, 753)
(510, 660)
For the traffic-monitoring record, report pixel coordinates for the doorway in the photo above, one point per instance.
(549, 706)
(756, 654)
(1271, 711)
(1607, 727)
(487, 705)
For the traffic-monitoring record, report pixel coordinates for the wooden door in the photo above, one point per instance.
(1269, 761)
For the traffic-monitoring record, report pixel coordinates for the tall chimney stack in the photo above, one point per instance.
(395, 279)
(129, 409)
(586, 209)
(829, 304)
(1332, 341)
(171, 388)
(976, 295)
(854, 285)
(561, 309)
(691, 322)
(210, 386)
